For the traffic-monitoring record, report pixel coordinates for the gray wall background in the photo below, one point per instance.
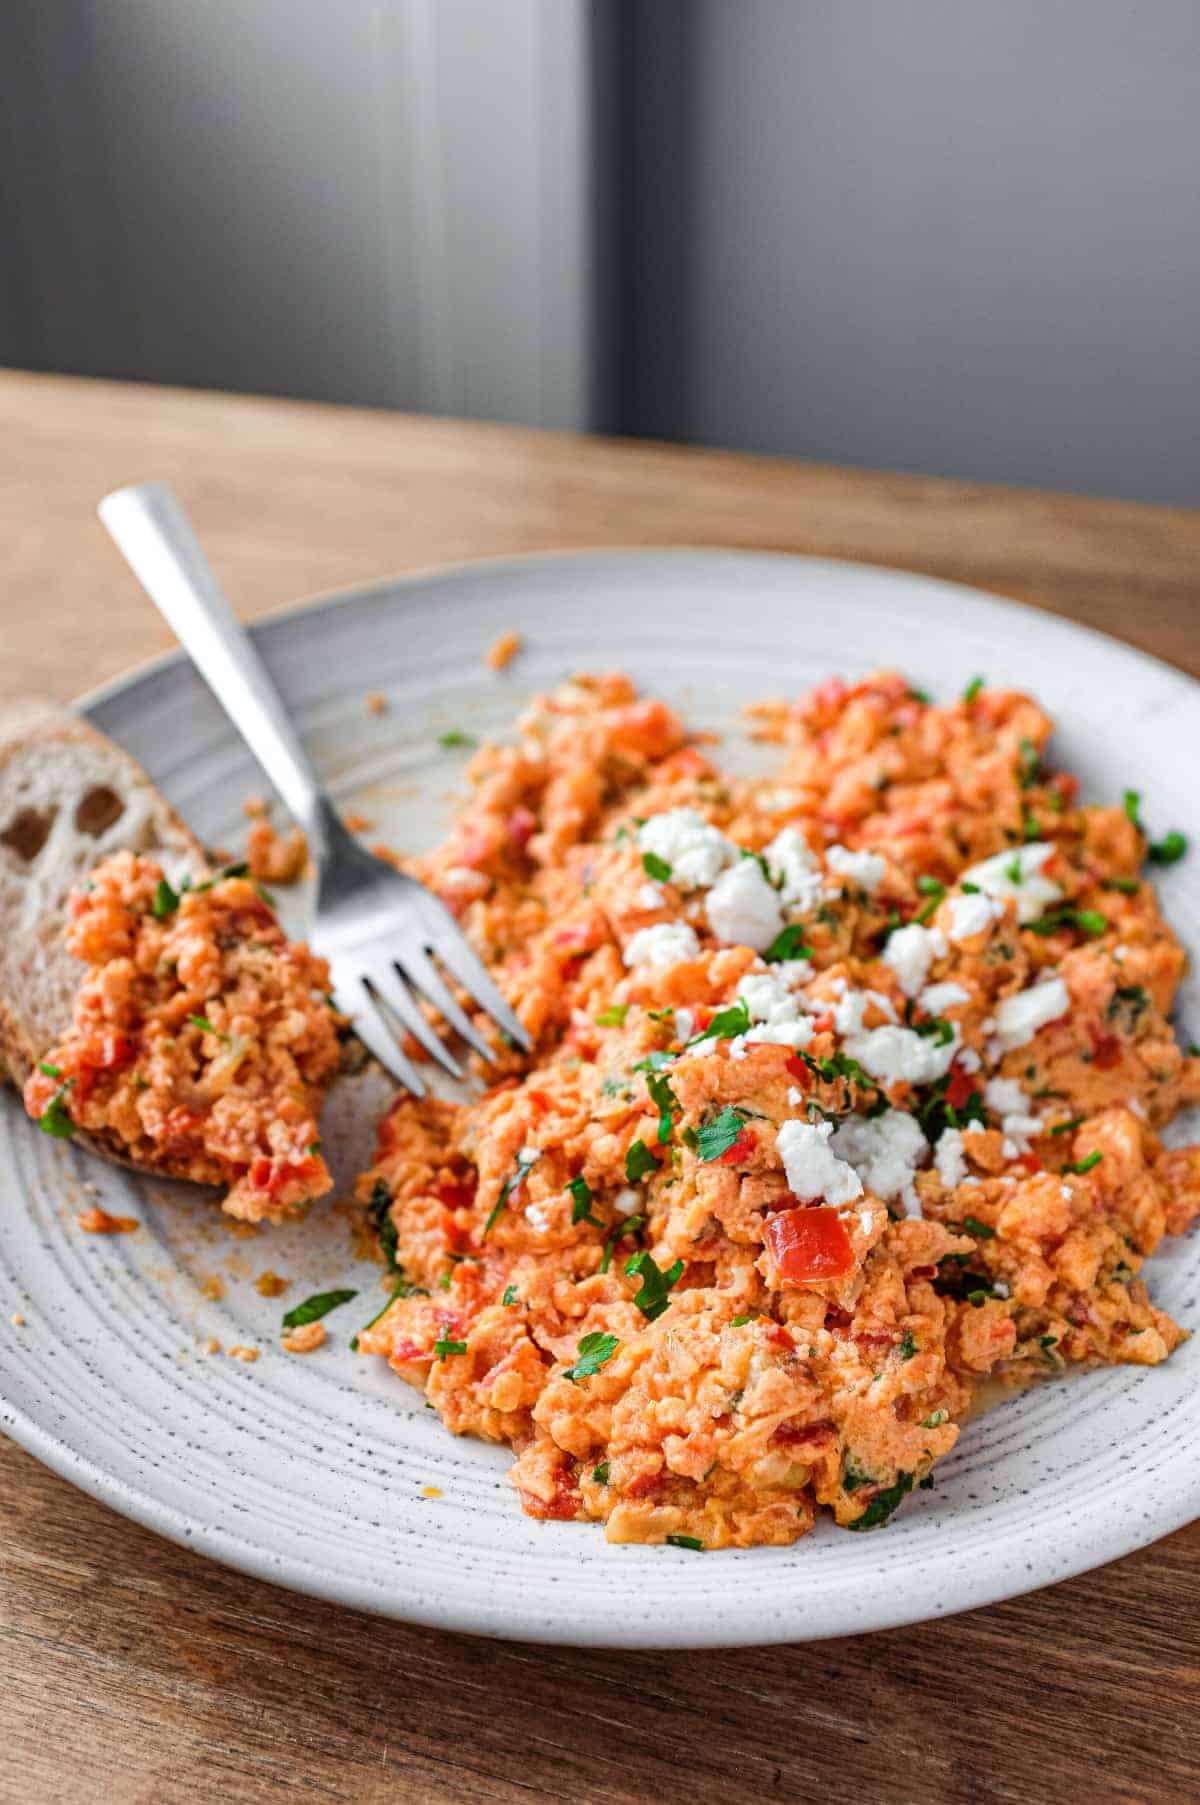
(958, 236)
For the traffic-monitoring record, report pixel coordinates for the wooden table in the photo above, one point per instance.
(133, 1671)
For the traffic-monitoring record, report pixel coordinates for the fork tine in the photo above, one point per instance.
(355, 1000)
(460, 961)
(386, 983)
(419, 969)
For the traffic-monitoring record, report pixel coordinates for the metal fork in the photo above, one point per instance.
(380, 931)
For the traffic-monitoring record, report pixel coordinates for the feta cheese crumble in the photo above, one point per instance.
(949, 1158)
(696, 851)
(812, 1169)
(1006, 1099)
(665, 943)
(794, 869)
(970, 915)
(1017, 873)
(742, 908)
(1020, 1017)
(866, 869)
(885, 1151)
(892, 1054)
(910, 952)
(938, 997)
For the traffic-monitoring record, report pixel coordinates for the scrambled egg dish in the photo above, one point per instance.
(845, 1097)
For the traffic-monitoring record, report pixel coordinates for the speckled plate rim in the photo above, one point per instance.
(1127, 1524)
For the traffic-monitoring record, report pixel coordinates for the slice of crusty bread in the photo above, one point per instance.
(68, 798)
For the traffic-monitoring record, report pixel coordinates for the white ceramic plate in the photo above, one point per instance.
(313, 1472)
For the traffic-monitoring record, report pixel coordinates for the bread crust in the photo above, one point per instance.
(40, 740)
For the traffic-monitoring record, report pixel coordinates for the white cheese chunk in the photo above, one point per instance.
(1020, 1017)
(970, 915)
(935, 999)
(1018, 874)
(885, 1151)
(794, 869)
(910, 951)
(891, 1053)
(742, 907)
(866, 869)
(696, 851)
(812, 1169)
(666, 943)
(949, 1158)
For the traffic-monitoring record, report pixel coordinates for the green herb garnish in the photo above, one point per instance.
(600, 1473)
(655, 867)
(653, 1295)
(54, 1119)
(692, 1542)
(972, 690)
(979, 1229)
(524, 1168)
(316, 1306)
(788, 944)
(594, 1351)
(1168, 851)
(726, 1024)
(1085, 1165)
(454, 736)
(908, 1345)
(666, 1102)
(166, 900)
(581, 1201)
(613, 1016)
(639, 1162)
(719, 1135)
(510, 1297)
(443, 1346)
(883, 1504)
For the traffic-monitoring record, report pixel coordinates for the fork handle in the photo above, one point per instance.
(157, 539)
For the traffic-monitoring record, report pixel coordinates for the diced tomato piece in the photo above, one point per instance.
(823, 1024)
(799, 1071)
(455, 1196)
(563, 1505)
(1106, 1051)
(794, 1435)
(809, 1244)
(540, 1099)
(522, 824)
(405, 1349)
(1027, 1162)
(741, 1149)
(270, 1176)
(777, 1335)
(960, 1087)
(686, 763)
(1067, 785)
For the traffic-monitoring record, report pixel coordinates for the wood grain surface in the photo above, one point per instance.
(131, 1670)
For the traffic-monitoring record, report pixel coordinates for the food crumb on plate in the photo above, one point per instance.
(376, 702)
(270, 1284)
(98, 1222)
(17, 1320)
(213, 1288)
(431, 1491)
(212, 1345)
(247, 1355)
(502, 651)
(306, 1338)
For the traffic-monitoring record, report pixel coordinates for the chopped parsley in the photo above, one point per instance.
(613, 1016)
(639, 1161)
(883, 1504)
(443, 1346)
(54, 1119)
(936, 1420)
(1130, 802)
(1013, 871)
(1088, 921)
(1048, 1343)
(1085, 1165)
(1169, 850)
(739, 1322)
(1130, 1001)
(935, 891)
(600, 1473)
(165, 901)
(665, 1100)
(581, 1201)
(718, 1136)
(655, 867)
(908, 1345)
(202, 1022)
(50, 1071)
(380, 1212)
(692, 1542)
(594, 1351)
(653, 1296)
(1066, 1127)
(972, 690)
(403, 1289)
(1030, 763)
(510, 1298)
(524, 1168)
(454, 736)
(788, 944)
(316, 1306)
(919, 695)
(629, 1226)
(726, 1024)
(979, 1229)
(1128, 886)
